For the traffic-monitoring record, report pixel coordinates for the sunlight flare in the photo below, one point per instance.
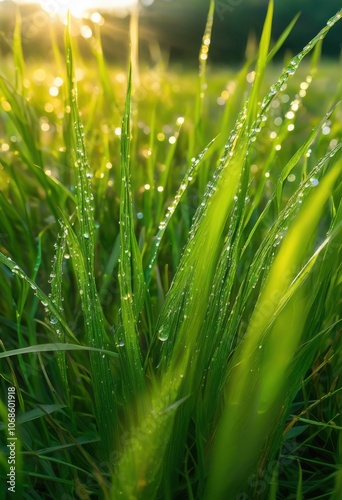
(78, 8)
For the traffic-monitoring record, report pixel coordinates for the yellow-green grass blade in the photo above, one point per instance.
(294, 313)
(139, 472)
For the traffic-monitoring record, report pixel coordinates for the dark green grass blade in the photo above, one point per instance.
(57, 300)
(338, 477)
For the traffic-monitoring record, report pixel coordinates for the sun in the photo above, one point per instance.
(78, 8)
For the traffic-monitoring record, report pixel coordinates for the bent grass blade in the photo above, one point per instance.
(44, 299)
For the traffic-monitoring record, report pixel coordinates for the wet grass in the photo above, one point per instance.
(171, 276)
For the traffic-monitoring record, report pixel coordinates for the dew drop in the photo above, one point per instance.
(163, 334)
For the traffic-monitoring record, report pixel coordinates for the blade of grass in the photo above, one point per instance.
(56, 347)
(82, 249)
(131, 279)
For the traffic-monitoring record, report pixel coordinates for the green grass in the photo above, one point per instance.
(170, 281)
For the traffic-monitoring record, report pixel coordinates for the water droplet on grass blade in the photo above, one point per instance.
(163, 334)
(53, 320)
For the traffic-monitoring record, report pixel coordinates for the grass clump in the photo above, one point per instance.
(191, 297)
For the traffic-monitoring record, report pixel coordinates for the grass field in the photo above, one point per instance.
(170, 276)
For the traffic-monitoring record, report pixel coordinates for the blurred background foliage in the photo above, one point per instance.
(177, 27)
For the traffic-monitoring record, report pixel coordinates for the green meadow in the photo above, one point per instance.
(170, 274)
